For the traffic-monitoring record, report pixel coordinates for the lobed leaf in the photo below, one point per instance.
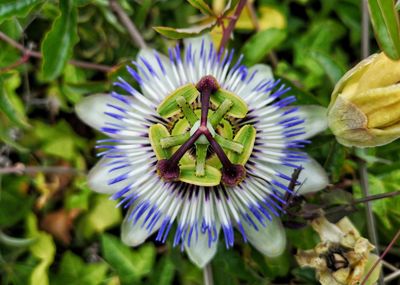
(19, 8)
(58, 43)
(202, 6)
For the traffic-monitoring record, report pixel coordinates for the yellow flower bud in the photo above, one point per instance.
(365, 104)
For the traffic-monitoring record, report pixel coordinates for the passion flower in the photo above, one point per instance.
(207, 144)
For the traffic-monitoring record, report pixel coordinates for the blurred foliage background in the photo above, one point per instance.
(54, 230)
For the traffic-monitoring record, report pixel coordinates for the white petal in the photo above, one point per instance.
(197, 42)
(136, 234)
(263, 73)
(99, 176)
(315, 120)
(199, 252)
(91, 109)
(269, 240)
(313, 176)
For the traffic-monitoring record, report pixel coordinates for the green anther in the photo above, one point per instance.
(245, 136)
(228, 144)
(201, 155)
(220, 112)
(168, 106)
(212, 176)
(187, 111)
(239, 108)
(174, 140)
(156, 133)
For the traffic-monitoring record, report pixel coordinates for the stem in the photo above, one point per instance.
(207, 274)
(187, 111)
(381, 257)
(365, 191)
(36, 54)
(220, 112)
(365, 30)
(19, 62)
(228, 31)
(22, 169)
(129, 25)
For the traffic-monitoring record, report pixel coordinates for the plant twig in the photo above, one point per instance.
(392, 276)
(128, 24)
(397, 235)
(36, 54)
(19, 168)
(20, 61)
(207, 274)
(231, 26)
(365, 30)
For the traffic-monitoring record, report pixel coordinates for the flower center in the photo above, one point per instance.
(203, 151)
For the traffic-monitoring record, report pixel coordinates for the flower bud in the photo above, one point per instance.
(365, 104)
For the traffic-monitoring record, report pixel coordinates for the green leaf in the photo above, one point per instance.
(202, 6)
(259, 45)
(164, 272)
(11, 199)
(169, 106)
(230, 6)
(8, 108)
(332, 69)
(385, 20)
(58, 43)
(16, 8)
(178, 34)
(73, 271)
(212, 176)
(44, 249)
(103, 215)
(130, 265)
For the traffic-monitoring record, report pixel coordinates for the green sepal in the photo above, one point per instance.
(239, 108)
(169, 106)
(212, 176)
(246, 137)
(156, 133)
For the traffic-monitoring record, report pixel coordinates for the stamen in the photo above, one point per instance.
(201, 155)
(174, 140)
(228, 144)
(220, 112)
(187, 111)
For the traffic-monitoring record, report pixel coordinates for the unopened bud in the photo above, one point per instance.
(365, 104)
